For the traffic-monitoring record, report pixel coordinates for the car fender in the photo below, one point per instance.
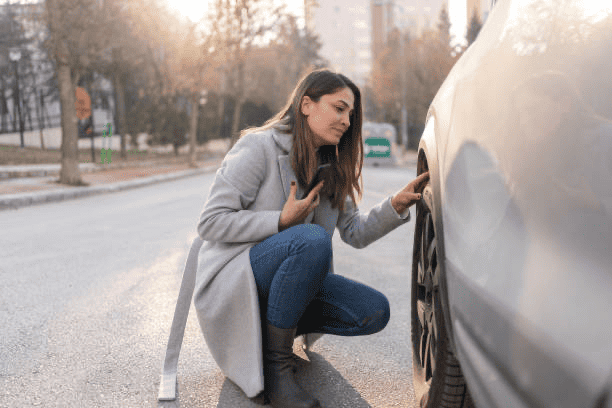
(428, 161)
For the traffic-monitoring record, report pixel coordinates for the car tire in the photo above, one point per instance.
(437, 376)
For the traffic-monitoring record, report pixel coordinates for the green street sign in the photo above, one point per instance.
(377, 147)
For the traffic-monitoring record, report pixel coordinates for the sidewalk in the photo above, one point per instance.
(26, 185)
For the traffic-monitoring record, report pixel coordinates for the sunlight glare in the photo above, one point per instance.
(195, 10)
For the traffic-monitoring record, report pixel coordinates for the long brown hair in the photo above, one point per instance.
(346, 158)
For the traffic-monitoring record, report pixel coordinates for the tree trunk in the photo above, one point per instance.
(221, 113)
(193, 128)
(236, 121)
(69, 173)
(240, 100)
(39, 118)
(120, 101)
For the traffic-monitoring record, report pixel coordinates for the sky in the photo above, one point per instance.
(196, 9)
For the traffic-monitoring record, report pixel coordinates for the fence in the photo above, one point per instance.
(35, 112)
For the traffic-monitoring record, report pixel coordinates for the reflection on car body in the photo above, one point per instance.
(513, 252)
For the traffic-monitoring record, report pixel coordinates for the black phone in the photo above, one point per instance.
(316, 179)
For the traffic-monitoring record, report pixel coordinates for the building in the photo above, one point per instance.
(353, 32)
(413, 16)
(343, 27)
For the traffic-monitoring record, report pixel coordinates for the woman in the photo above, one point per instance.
(265, 271)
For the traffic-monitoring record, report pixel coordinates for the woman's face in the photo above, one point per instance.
(329, 118)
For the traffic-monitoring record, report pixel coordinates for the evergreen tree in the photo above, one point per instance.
(444, 25)
(474, 27)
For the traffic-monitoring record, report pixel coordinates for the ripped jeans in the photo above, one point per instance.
(295, 287)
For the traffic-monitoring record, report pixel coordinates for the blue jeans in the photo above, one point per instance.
(295, 287)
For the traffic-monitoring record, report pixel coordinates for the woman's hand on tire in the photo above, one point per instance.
(410, 194)
(295, 211)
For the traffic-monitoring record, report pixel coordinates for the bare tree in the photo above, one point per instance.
(281, 63)
(137, 27)
(237, 26)
(12, 37)
(76, 37)
(192, 70)
(444, 26)
(428, 60)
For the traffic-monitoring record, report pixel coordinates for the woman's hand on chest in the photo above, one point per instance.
(295, 211)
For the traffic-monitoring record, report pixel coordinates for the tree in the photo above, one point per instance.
(139, 27)
(386, 79)
(237, 25)
(76, 31)
(444, 26)
(12, 37)
(280, 64)
(192, 69)
(297, 52)
(474, 27)
(427, 61)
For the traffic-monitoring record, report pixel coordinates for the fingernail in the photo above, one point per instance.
(293, 183)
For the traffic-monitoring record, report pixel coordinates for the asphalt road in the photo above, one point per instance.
(88, 293)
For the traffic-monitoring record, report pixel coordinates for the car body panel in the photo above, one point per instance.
(523, 153)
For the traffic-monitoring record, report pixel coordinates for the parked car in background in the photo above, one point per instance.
(512, 257)
(377, 141)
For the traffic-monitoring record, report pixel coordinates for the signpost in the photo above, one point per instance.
(377, 141)
(82, 104)
(15, 56)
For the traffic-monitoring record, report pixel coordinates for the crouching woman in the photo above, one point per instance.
(265, 270)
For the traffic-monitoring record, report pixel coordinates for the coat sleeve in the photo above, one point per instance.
(225, 217)
(360, 230)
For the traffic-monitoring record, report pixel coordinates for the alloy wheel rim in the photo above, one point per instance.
(426, 297)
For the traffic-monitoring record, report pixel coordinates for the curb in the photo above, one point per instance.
(44, 170)
(15, 201)
(41, 170)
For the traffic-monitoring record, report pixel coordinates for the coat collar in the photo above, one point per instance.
(283, 140)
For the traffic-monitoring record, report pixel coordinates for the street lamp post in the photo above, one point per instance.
(15, 56)
(403, 112)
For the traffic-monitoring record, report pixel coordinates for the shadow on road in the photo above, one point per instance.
(318, 377)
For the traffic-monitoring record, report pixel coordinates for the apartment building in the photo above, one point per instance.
(353, 32)
(343, 27)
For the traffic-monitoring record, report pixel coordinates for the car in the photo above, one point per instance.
(511, 275)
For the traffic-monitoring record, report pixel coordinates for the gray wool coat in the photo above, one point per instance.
(243, 208)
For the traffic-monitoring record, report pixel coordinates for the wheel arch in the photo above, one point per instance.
(428, 160)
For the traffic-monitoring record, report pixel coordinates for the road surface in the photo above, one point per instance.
(88, 293)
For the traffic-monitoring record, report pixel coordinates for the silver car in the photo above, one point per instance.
(512, 260)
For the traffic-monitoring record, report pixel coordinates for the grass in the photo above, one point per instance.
(14, 155)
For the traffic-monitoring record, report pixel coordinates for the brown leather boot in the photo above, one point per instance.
(281, 388)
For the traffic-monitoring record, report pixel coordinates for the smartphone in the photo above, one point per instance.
(316, 179)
